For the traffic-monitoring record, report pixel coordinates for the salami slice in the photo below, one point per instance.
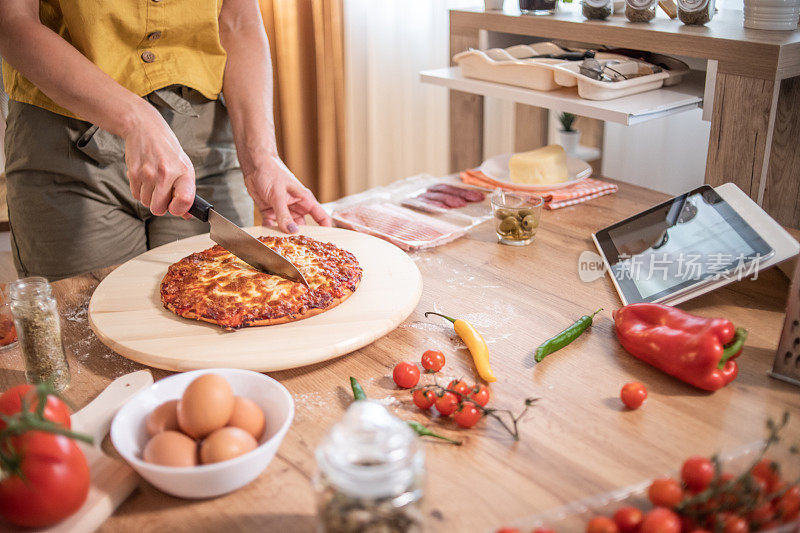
(470, 195)
(448, 199)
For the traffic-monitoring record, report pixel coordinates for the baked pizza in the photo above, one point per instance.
(216, 286)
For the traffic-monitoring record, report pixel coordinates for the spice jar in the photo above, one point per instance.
(597, 9)
(369, 476)
(538, 7)
(39, 331)
(640, 10)
(695, 12)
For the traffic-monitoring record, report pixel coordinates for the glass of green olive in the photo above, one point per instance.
(516, 216)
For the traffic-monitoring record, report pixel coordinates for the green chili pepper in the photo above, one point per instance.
(358, 391)
(565, 337)
(422, 431)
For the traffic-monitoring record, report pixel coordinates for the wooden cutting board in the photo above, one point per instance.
(126, 313)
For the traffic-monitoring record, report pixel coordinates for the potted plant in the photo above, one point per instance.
(568, 137)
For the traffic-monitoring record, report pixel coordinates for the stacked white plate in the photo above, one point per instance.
(771, 14)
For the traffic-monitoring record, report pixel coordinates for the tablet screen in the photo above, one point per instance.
(691, 239)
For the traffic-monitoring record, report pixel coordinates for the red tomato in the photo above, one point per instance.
(769, 472)
(507, 530)
(406, 375)
(788, 506)
(467, 415)
(480, 394)
(633, 394)
(665, 492)
(601, 524)
(735, 524)
(628, 519)
(660, 520)
(55, 484)
(697, 473)
(460, 386)
(543, 530)
(433, 360)
(54, 410)
(446, 404)
(423, 399)
(763, 513)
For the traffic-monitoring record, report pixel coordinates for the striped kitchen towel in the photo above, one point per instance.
(554, 199)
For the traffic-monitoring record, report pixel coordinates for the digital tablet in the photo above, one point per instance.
(691, 244)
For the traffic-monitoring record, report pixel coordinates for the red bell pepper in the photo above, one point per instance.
(697, 350)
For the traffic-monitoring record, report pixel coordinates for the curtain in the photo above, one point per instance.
(307, 59)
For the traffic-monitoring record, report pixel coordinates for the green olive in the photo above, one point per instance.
(503, 213)
(523, 213)
(508, 225)
(529, 223)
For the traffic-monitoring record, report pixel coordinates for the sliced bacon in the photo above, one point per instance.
(447, 199)
(470, 195)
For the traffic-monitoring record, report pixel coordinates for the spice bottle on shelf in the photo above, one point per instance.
(39, 330)
(695, 12)
(597, 9)
(640, 10)
(370, 469)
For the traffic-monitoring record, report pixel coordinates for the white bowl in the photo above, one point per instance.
(129, 435)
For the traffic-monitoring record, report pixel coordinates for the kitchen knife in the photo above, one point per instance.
(243, 245)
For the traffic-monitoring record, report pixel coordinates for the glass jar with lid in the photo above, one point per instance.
(597, 9)
(538, 7)
(695, 12)
(640, 10)
(370, 470)
(39, 330)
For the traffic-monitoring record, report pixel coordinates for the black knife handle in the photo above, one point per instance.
(200, 208)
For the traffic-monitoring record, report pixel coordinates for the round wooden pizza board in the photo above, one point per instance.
(126, 313)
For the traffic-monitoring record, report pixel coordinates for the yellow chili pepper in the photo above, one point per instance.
(475, 343)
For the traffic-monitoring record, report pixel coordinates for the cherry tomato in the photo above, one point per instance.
(460, 386)
(433, 360)
(54, 482)
(735, 524)
(446, 404)
(423, 399)
(788, 506)
(769, 472)
(54, 410)
(543, 530)
(406, 375)
(507, 530)
(633, 394)
(601, 524)
(628, 519)
(665, 492)
(480, 394)
(467, 415)
(697, 473)
(660, 520)
(762, 514)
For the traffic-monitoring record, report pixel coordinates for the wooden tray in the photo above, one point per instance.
(126, 313)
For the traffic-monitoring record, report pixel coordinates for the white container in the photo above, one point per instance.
(592, 89)
(569, 141)
(771, 14)
(129, 435)
(493, 5)
(492, 65)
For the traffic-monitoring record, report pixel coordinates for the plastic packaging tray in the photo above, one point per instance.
(574, 516)
(592, 89)
(392, 213)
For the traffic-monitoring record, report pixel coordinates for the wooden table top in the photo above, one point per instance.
(577, 440)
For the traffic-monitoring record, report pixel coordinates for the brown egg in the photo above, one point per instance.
(248, 416)
(163, 418)
(170, 448)
(226, 443)
(206, 405)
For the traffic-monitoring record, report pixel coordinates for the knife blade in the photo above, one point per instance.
(243, 245)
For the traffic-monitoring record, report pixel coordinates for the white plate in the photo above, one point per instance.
(497, 168)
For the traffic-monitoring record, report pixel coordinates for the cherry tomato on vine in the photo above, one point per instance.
(735, 524)
(543, 530)
(424, 399)
(769, 473)
(433, 360)
(406, 375)
(788, 506)
(480, 394)
(697, 473)
(53, 484)
(55, 410)
(601, 524)
(467, 415)
(628, 519)
(763, 513)
(446, 404)
(660, 520)
(633, 394)
(507, 530)
(460, 386)
(665, 492)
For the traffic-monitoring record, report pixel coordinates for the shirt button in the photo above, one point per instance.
(154, 36)
(148, 56)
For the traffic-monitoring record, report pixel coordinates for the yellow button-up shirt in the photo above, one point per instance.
(143, 44)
